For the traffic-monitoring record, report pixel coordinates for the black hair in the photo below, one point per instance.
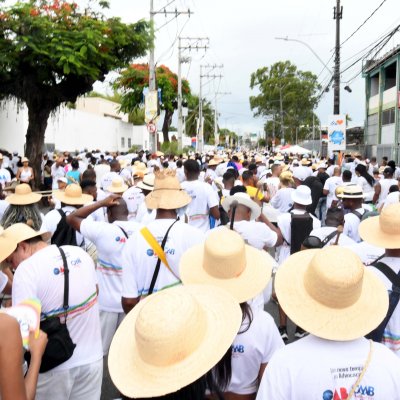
(392, 164)
(165, 164)
(394, 188)
(334, 217)
(389, 171)
(245, 164)
(362, 170)
(75, 164)
(252, 167)
(192, 167)
(179, 164)
(87, 183)
(89, 174)
(228, 175)
(247, 317)
(237, 189)
(247, 175)
(235, 158)
(347, 175)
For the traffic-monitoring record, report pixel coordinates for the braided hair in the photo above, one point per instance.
(28, 214)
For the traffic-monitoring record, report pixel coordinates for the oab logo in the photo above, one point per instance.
(150, 252)
(120, 239)
(361, 392)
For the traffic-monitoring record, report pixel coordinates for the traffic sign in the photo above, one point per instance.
(152, 128)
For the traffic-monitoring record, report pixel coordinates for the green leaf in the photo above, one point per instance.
(83, 51)
(66, 69)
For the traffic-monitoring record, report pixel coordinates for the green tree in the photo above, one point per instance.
(51, 53)
(135, 78)
(288, 95)
(193, 116)
(227, 136)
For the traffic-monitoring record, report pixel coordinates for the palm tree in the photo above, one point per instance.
(193, 116)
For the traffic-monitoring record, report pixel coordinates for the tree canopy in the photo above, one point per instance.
(135, 78)
(51, 52)
(298, 92)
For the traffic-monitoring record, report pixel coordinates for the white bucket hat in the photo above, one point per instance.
(302, 195)
(245, 200)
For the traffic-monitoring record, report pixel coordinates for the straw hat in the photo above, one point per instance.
(7, 245)
(72, 195)
(140, 167)
(117, 186)
(383, 230)
(167, 193)
(224, 260)
(159, 153)
(351, 192)
(23, 195)
(171, 339)
(20, 232)
(258, 159)
(302, 195)
(279, 157)
(24, 159)
(147, 183)
(329, 293)
(305, 161)
(245, 200)
(214, 161)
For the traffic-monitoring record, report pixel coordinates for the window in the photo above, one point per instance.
(388, 116)
(390, 76)
(371, 135)
(122, 142)
(129, 143)
(374, 85)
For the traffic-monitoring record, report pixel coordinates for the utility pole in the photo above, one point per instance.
(209, 68)
(281, 112)
(189, 44)
(216, 136)
(337, 15)
(152, 71)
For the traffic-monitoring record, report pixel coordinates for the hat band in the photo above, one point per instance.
(352, 194)
(155, 190)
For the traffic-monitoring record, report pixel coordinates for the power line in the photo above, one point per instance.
(380, 5)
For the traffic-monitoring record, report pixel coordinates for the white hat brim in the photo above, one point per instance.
(137, 379)
(244, 287)
(341, 324)
(252, 205)
(299, 200)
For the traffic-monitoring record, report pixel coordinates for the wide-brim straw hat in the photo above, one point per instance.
(167, 193)
(23, 195)
(171, 339)
(214, 161)
(20, 232)
(383, 230)
(117, 186)
(351, 192)
(279, 157)
(72, 195)
(159, 153)
(147, 183)
(305, 162)
(224, 260)
(140, 168)
(329, 293)
(24, 159)
(7, 245)
(245, 200)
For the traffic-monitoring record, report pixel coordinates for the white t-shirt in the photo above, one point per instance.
(107, 179)
(133, 198)
(366, 251)
(110, 241)
(3, 207)
(57, 172)
(203, 198)
(331, 184)
(282, 200)
(180, 174)
(385, 186)
(256, 234)
(221, 168)
(285, 225)
(3, 281)
(273, 185)
(101, 170)
(392, 198)
(5, 177)
(252, 348)
(324, 231)
(314, 368)
(145, 215)
(41, 276)
(367, 189)
(351, 223)
(139, 259)
(391, 335)
(330, 170)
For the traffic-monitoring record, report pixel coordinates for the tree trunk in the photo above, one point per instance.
(37, 124)
(166, 124)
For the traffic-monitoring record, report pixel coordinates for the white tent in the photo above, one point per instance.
(295, 150)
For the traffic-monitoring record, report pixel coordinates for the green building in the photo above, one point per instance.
(382, 122)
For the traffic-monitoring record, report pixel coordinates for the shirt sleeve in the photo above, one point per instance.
(24, 285)
(326, 184)
(3, 281)
(268, 236)
(92, 230)
(129, 282)
(212, 197)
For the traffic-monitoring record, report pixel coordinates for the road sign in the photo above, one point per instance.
(152, 128)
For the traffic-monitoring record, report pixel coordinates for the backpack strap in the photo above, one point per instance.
(394, 298)
(357, 214)
(328, 238)
(159, 250)
(123, 231)
(66, 284)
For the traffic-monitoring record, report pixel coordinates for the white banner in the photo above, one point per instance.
(336, 133)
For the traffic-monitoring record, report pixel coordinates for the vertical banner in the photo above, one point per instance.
(336, 133)
(151, 106)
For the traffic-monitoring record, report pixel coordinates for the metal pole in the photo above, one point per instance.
(336, 75)
(179, 95)
(313, 131)
(200, 135)
(152, 74)
(216, 139)
(281, 111)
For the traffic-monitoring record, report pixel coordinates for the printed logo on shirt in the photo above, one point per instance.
(60, 270)
(237, 348)
(362, 392)
(120, 239)
(150, 252)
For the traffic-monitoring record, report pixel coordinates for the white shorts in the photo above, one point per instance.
(79, 383)
(109, 322)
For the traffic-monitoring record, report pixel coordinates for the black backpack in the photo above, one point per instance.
(301, 227)
(64, 234)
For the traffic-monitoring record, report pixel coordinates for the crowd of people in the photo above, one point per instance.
(153, 272)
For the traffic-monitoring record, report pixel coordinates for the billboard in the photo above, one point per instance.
(336, 133)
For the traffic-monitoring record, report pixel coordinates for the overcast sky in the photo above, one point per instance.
(242, 38)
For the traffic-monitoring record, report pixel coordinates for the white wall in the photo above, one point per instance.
(70, 130)
(388, 134)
